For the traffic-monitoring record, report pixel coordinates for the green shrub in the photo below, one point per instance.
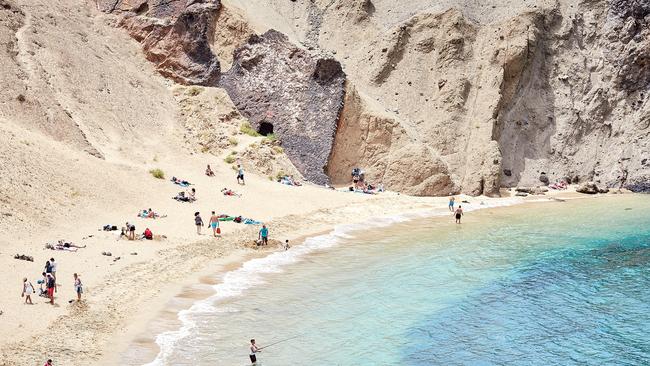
(278, 149)
(271, 137)
(247, 129)
(233, 141)
(157, 173)
(280, 174)
(194, 91)
(230, 159)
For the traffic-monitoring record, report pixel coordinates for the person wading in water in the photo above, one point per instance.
(459, 214)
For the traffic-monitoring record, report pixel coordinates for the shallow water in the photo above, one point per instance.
(553, 283)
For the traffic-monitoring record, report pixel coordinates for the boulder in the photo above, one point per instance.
(532, 190)
(591, 188)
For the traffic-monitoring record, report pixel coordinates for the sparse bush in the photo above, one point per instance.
(280, 174)
(233, 141)
(194, 91)
(247, 129)
(230, 159)
(271, 137)
(278, 149)
(205, 149)
(157, 173)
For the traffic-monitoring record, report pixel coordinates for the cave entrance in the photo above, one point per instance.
(265, 129)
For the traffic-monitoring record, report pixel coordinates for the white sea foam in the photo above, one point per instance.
(252, 273)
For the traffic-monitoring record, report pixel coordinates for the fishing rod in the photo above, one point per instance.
(281, 341)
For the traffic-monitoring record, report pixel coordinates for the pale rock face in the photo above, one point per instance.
(488, 95)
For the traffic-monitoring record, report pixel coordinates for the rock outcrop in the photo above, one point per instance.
(175, 36)
(283, 89)
(389, 155)
(590, 188)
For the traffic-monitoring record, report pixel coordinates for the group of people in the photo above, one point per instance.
(128, 231)
(48, 285)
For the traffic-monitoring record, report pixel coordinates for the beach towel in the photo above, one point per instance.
(251, 222)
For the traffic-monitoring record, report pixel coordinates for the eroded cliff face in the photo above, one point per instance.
(284, 90)
(457, 97)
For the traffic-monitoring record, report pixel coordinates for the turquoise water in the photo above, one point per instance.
(545, 284)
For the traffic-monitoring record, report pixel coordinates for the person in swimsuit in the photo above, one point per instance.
(28, 290)
(48, 363)
(254, 349)
(51, 284)
(452, 201)
(214, 224)
(78, 286)
(209, 172)
(198, 221)
(459, 214)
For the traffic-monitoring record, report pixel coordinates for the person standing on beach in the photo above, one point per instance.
(198, 221)
(452, 201)
(254, 349)
(78, 286)
(214, 224)
(459, 214)
(264, 235)
(51, 284)
(240, 175)
(54, 266)
(286, 244)
(28, 290)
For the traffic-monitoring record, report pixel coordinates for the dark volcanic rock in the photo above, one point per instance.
(282, 88)
(590, 188)
(639, 185)
(174, 34)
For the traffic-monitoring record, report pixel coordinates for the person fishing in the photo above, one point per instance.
(254, 350)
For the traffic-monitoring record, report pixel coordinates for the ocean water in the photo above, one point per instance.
(562, 283)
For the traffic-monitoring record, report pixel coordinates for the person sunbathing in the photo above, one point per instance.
(229, 192)
(209, 172)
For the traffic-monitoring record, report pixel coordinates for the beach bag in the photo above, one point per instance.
(237, 219)
(218, 230)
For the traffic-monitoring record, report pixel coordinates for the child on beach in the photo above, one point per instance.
(78, 286)
(459, 213)
(51, 284)
(28, 290)
(214, 224)
(198, 221)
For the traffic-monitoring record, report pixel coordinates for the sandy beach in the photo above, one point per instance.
(122, 296)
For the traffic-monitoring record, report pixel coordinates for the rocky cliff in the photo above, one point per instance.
(442, 96)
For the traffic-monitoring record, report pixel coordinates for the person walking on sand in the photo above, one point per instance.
(452, 201)
(198, 221)
(51, 284)
(254, 350)
(28, 290)
(459, 214)
(240, 175)
(78, 286)
(54, 266)
(264, 235)
(214, 224)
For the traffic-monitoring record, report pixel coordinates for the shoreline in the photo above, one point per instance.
(160, 319)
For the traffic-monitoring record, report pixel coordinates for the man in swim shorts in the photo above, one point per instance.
(214, 224)
(452, 201)
(240, 175)
(459, 213)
